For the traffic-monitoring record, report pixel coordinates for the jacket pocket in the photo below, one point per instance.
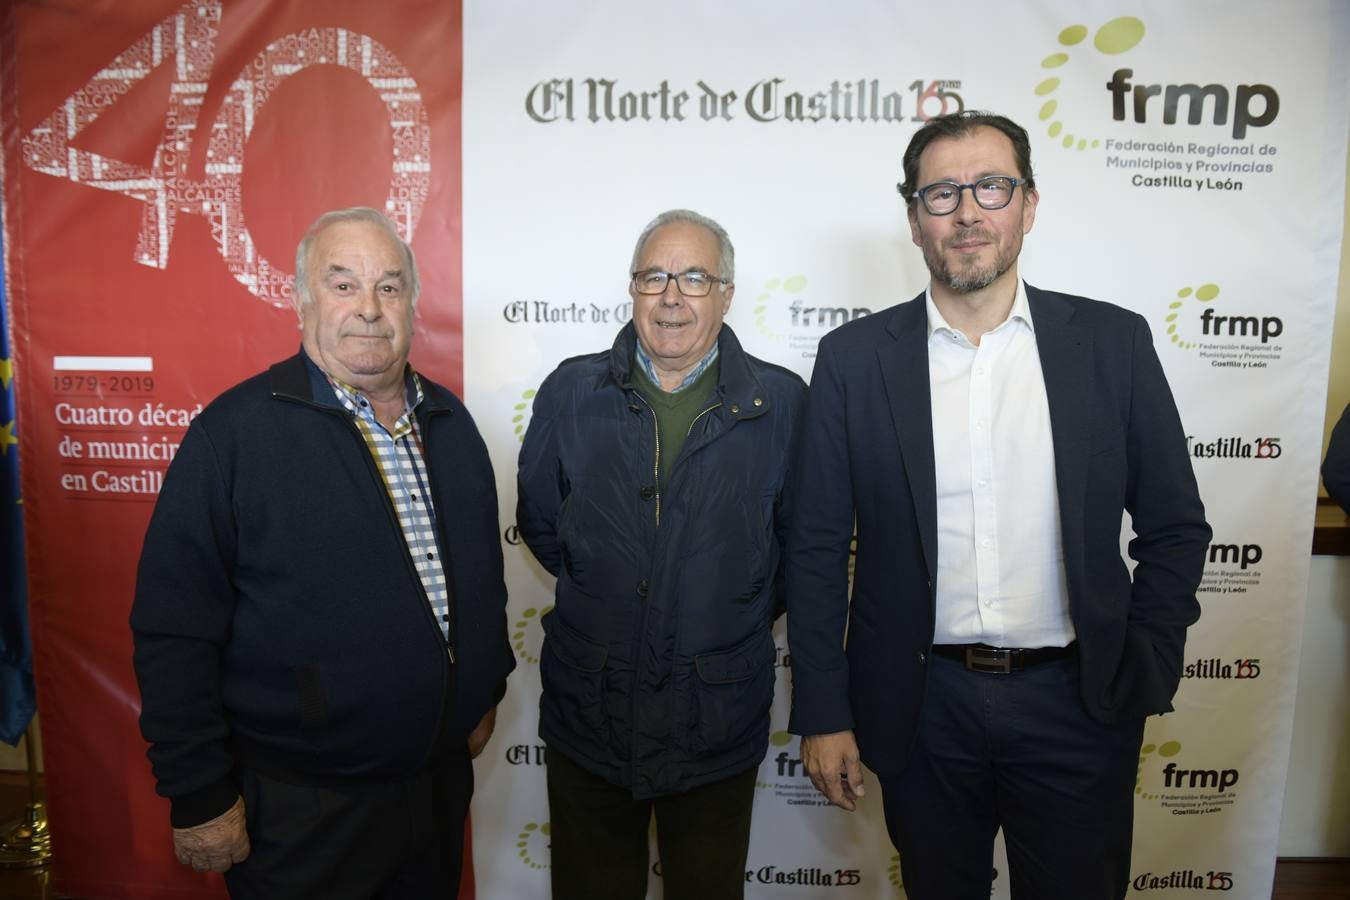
(572, 667)
(727, 702)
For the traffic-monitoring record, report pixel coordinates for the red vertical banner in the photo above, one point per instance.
(161, 161)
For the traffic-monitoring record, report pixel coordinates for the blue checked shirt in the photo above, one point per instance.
(398, 456)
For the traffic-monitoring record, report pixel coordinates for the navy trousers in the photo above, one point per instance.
(1017, 751)
(400, 840)
(599, 837)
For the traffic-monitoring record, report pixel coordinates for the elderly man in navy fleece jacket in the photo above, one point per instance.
(319, 620)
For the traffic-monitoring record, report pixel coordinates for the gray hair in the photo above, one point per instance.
(726, 260)
(337, 217)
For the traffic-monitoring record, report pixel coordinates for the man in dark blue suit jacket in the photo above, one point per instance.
(985, 440)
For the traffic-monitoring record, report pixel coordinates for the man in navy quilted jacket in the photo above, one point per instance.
(653, 485)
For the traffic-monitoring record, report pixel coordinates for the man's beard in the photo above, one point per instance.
(970, 278)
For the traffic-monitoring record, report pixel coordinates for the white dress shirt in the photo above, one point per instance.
(1000, 560)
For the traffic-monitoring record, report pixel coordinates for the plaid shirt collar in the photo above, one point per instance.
(356, 403)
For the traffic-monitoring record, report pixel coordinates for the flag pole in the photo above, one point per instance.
(26, 843)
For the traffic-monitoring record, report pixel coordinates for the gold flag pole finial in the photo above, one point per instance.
(27, 843)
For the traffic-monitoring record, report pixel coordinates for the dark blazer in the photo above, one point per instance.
(866, 453)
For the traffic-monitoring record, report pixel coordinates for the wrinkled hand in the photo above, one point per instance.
(216, 845)
(832, 762)
(478, 738)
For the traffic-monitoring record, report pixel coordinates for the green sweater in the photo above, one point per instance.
(675, 413)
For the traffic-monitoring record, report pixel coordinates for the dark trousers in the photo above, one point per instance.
(1018, 751)
(365, 841)
(598, 836)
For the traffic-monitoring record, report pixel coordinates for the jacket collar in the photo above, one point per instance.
(300, 378)
(738, 387)
(904, 372)
(1066, 353)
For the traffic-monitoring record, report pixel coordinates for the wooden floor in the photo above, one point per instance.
(1295, 879)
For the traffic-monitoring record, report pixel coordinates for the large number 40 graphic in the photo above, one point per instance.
(186, 41)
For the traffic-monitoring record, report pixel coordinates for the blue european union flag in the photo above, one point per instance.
(17, 701)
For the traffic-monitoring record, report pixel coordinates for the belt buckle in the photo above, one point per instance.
(980, 659)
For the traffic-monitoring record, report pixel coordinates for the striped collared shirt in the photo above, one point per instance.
(646, 362)
(398, 456)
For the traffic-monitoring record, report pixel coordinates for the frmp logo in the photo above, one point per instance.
(783, 773)
(1228, 340)
(1119, 86)
(784, 764)
(1183, 790)
(1241, 326)
(1232, 554)
(1231, 569)
(785, 312)
(789, 766)
(1122, 111)
(1204, 294)
(1215, 780)
(533, 844)
(1115, 37)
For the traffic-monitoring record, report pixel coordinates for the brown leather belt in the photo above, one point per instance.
(1002, 660)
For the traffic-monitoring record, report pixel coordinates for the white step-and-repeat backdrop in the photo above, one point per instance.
(1191, 165)
(161, 158)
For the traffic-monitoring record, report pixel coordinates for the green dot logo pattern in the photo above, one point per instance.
(793, 284)
(1166, 751)
(521, 410)
(893, 872)
(1114, 37)
(522, 629)
(533, 834)
(1203, 294)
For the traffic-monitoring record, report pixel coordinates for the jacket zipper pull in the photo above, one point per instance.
(450, 648)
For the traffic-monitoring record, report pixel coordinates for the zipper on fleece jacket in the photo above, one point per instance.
(374, 471)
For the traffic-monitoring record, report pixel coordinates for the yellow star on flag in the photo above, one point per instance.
(6, 372)
(7, 437)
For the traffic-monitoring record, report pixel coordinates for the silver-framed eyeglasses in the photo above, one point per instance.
(941, 198)
(693, 283)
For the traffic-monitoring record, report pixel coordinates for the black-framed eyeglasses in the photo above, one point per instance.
(694, 283)
(941, 198)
